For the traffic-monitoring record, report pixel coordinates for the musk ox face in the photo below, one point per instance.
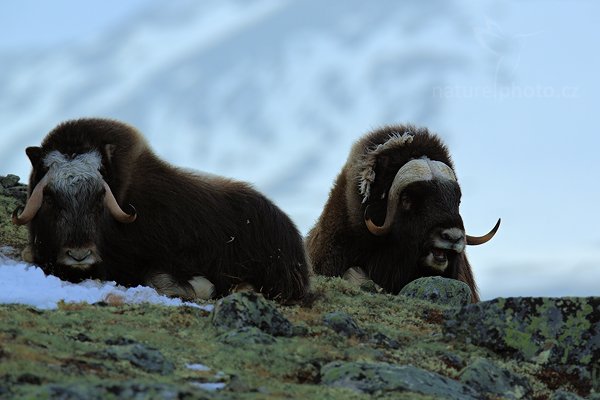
(420, 215)
(67, 208)
(428, 224)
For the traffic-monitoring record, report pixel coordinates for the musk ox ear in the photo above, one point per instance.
(34, 154)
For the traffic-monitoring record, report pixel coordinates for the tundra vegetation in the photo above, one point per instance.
(349, 342)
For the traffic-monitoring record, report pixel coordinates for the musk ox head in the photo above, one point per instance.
(409, 198)
(68, 203)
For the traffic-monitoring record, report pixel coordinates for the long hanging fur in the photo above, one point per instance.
(340, 239)
(188, 224)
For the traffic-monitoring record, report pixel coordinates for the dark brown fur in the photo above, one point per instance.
(187, 225)
(340, 239)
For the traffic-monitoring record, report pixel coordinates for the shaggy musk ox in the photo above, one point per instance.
(393, 214)
(102, 205)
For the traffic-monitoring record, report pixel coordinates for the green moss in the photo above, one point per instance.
(73, 346)
(522, 341)
(11, 235)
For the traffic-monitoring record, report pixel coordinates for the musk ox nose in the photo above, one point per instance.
(453, 235)
(79, 255)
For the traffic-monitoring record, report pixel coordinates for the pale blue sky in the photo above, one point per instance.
(31, 24)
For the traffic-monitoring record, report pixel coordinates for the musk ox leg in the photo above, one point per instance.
(243, 287)
(356, 276)
(196, 288)
(203, 288)
(27, 254)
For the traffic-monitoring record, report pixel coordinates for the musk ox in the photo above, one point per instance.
(103, 205)
(393, 214)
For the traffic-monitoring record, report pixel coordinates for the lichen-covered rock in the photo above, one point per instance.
(9, 181)
(10, 186)
(140, 356)
(452, 360)
(11, 235)
(556, 331)
(343, 324)
(487, 377)
(250, 309)
(562, 395)
(248, 335)
(370, 286)
(439, 290)
(381, 340)
(19, 193)
(383, 377)
(110, 391)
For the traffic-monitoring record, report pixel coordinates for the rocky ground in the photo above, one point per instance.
(349, 343)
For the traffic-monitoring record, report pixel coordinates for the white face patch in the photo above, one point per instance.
(72, 175)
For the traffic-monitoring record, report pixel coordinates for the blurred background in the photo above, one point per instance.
(275, 92)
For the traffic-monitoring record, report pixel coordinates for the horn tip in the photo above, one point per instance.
(132, 214)
(15, 216)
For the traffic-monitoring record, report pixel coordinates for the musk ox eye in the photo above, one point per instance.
(49, 199)
(99, 201)
(405, 202)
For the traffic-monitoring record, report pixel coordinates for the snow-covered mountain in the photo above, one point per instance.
(275, 91)
(272, 92)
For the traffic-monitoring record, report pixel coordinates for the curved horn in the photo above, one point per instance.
(412, 171)
(475, 240)
(111, 203)
(32, 206)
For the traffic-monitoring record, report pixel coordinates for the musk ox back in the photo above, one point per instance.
(103, 205)
(393, 213)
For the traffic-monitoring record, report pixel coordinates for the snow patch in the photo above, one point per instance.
(209, 386)
(198, 367)
(22, 283)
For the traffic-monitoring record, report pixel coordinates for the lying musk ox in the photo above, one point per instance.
(103, 205)
(393, 214)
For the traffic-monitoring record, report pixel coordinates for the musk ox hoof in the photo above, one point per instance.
(358, 277)
(27, 255)
(439, 290)
(203, 288)
(243, 287)
(197, 288)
